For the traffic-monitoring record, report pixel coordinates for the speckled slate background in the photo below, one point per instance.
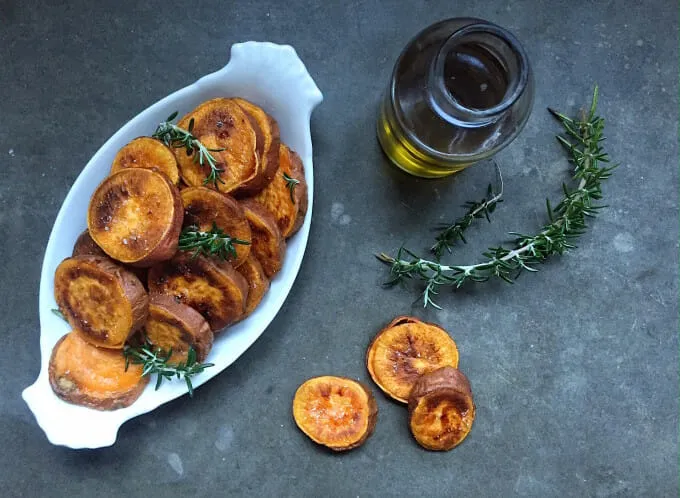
(575, 369)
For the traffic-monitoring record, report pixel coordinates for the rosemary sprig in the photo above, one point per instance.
(174, 136)
(567, 220)
(58, 312)
(452, 233)
(291, 183)
(155, 361)
(212, 243)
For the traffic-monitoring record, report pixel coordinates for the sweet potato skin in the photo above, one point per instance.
(68, 377)
(221, 124)
(86, 246)
(371, 408)
(211, 287)
(258, 283)
(147, 153)
(269, 141)
(204, 207)
(446, 389)
(135, 216)
(268, 245)
(408, 373)
(128, 292)
(165, 312)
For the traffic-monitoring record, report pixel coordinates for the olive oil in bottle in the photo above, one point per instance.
(461, 90)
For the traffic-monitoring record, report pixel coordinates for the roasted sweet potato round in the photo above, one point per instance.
(268, 246)
(269, 141)
(84, 374)
(337, 412)
(406, 349)
(102, 301)
(441, 409)
(177, 327)
(258, 283)
(147, 153)
(204, 207)
(135, 216)
(286, 195)
(221, 124)
(211, 287)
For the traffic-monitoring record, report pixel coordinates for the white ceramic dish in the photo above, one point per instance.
(269, 75)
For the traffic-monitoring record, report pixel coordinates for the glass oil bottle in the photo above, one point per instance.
(461, 90)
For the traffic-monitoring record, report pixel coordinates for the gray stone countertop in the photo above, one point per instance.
(574, 369)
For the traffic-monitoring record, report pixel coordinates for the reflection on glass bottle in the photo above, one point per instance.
(461, 90)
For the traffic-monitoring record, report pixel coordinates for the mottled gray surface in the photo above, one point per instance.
(574, 369)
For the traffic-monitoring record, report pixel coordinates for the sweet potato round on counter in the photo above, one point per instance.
(95, 377)
(221, 124)
(204, 208)
(147, 153)
(102, 301)
(258, 283)
(211, 287)
(177, 327)
(337, 412)
(288, 208)
(441, 409)
(269, 141)
(406, 349)
(268, 246)
(135, 216)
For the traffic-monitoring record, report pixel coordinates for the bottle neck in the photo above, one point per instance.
(478, 73)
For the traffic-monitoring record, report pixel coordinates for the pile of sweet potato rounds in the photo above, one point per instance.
(127, 279)
(412, 362)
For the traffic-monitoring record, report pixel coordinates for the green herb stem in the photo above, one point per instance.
(212, 243)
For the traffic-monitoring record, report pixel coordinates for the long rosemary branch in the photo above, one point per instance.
(174, 136)
(567, 220)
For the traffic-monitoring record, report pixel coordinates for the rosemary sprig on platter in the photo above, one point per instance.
(212, 243)
(155, 361)
(291, 183)
(58, 312)
(451, 233)
(174, 136)
(566, 221)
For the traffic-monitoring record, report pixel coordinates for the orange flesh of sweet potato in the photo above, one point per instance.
(147, 153)
(268, 246)
(337, 412)
(203, 207)
(102, 301)
(135, 216)
(276, 197)
(85, 375)
(441, 409)
(177, 327)
(406, 349)
(221, 124)
(269, 142)
(258, 283)
(211, 287)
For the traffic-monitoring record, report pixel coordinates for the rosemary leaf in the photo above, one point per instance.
(291, 183)
(212, 243)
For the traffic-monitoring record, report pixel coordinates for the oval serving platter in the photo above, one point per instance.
(269, 75)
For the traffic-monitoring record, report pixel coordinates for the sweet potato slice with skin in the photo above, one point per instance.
(406, 349)
(147, 153)
(441, 409)
(288, 212)
(83, 374)
(211, 287)
(85, 245)
(258, 283)
(177, 327)
(337, 412)
(268, 246)
(269, 141)
(102, 301)
(135, 216)
(221, 124)
(203, 207)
